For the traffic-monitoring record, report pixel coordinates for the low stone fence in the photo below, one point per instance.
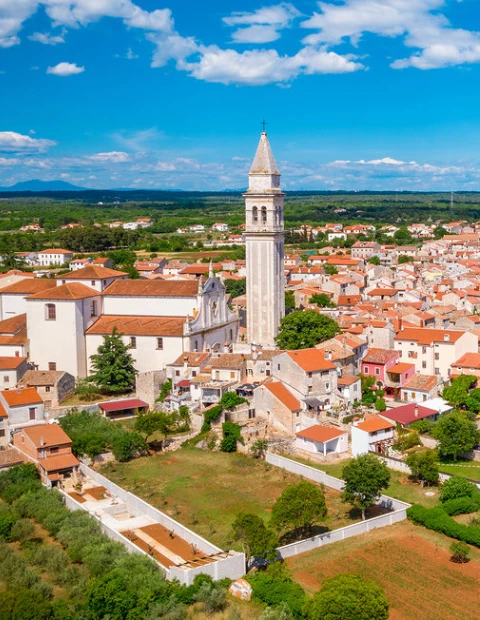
(399, 509)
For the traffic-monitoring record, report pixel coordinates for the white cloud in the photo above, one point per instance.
(11, 142)
(263, 25)
(10, 161)
(258, 67)
(116, 157)
(65, 68)
(47, 38)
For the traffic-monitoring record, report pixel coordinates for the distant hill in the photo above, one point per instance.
(36, 185)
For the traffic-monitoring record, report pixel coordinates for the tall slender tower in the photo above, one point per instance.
(264, 248)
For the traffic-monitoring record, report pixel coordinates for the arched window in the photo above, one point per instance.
(50, 312)
(264, 215)
(255, 215)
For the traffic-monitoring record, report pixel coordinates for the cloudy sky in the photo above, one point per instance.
(357, 94)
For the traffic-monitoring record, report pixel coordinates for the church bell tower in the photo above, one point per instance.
(264, 236)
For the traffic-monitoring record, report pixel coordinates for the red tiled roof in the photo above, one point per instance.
(424, 335)
(70, 291)
(46, 435)
(468, 360)
(321, 434)
(379, 356)
(400, 368)
(24, 396)
(371, 425)
(406, 414)
(311, 360)
(61, 461)
(283, 395)
(347, 380)
(122, 405)
(11, 363)
(29, 287)
(92, 272)
(55, 251)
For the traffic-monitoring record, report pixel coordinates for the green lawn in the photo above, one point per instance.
(467, 469)
(206, 490)
(400, 486)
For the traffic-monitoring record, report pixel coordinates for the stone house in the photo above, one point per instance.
(53, 386)
(282, 410)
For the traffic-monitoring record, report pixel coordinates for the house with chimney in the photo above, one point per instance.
(50, 448)
(375, 434)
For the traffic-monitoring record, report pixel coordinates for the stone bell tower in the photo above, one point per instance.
(264, 236)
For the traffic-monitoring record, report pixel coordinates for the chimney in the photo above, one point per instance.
(42, 441)
(328, 355)
(446, 337)
(416, 411)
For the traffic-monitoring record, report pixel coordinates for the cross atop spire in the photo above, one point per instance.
(264, 124)
(264, 162)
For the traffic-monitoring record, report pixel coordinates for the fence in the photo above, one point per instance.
(311, 473)
(231, 564)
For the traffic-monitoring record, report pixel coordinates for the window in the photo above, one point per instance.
(232, 375)
(194, 373)
(424, 364)
(365, 370)
(437, 356)
(424, 350)
(327, 386)
(264, 215)
(133, 342)
(52, 365)
(159, 343)
(50, 312)
(437, 371)
(412, 394)
(267, 372)
(309, 375)
(255, 215)
(424, 397)
(6, 379)
(2, 432)
(93, 308)
(31, 413)
(54, 450)
(92, 283)
(47, 388)
(231, 335)
(251, 413)
(278, 366)
(196, 345)
(377, 371)
(177, 373)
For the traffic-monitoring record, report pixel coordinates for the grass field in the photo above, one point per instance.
(412, 565)
(206, 490)
(467, 469)
(400, 486)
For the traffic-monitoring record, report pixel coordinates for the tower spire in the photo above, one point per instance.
(264, 161)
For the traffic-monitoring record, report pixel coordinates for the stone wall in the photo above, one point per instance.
(148, 385)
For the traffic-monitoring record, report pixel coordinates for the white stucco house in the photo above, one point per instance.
(373, 435)
(54, 257)
(322, 440)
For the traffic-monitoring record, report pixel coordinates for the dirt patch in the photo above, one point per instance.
(415, 571)
(76, 496)
(141, 544)
(97, 492)
(174, 543)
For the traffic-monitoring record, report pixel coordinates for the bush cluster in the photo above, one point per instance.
(91, 434)
(438, 520)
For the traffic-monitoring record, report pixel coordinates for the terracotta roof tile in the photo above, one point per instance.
(11, 363)
(29, 287)
(153, 288)
(13, 325)
(56, 463)
(371, 425)
(70, 291)
(311, 360)
(46, 435)
(41, 377)
(92, 272)
(426, 336)
(283, 395)
(321, 433)
(139, 325)
(24, 396)
(380, 356)
(468, 360)
(424, 383)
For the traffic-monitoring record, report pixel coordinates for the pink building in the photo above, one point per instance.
(377, 363)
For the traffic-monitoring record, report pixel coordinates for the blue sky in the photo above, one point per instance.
(357, 94)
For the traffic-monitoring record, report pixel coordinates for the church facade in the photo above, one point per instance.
(158, 319)
(264, 237)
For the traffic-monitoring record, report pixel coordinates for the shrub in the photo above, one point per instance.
(456, 487)
(460, 552)
(228, 444)
(274, 586)
(380, 405)
(462, 505)
(422, 426)
(7, 521)
(213, 597)
(211, 415)
(438, 520)
(22, 530)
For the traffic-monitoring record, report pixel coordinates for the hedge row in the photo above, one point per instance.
(462, 505)
(438, 520)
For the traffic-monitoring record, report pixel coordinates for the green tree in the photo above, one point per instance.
(440, 232)
(127, 446)
(230, 400)
(402, 236)
(330, 270)
(460, 552)
(236, 288)
(22, 530)
(113, 365)
(456, 487)
(374, 260)
(455, 434)
(258, 448)
(322, 300)
(299, 507)
(147, 423)
(458, 392)
(380, 405)
(305, 329)
(403, 259)
(289, 301)
(365, 477)
(348, 597)
(424, 466)
(256, 538)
